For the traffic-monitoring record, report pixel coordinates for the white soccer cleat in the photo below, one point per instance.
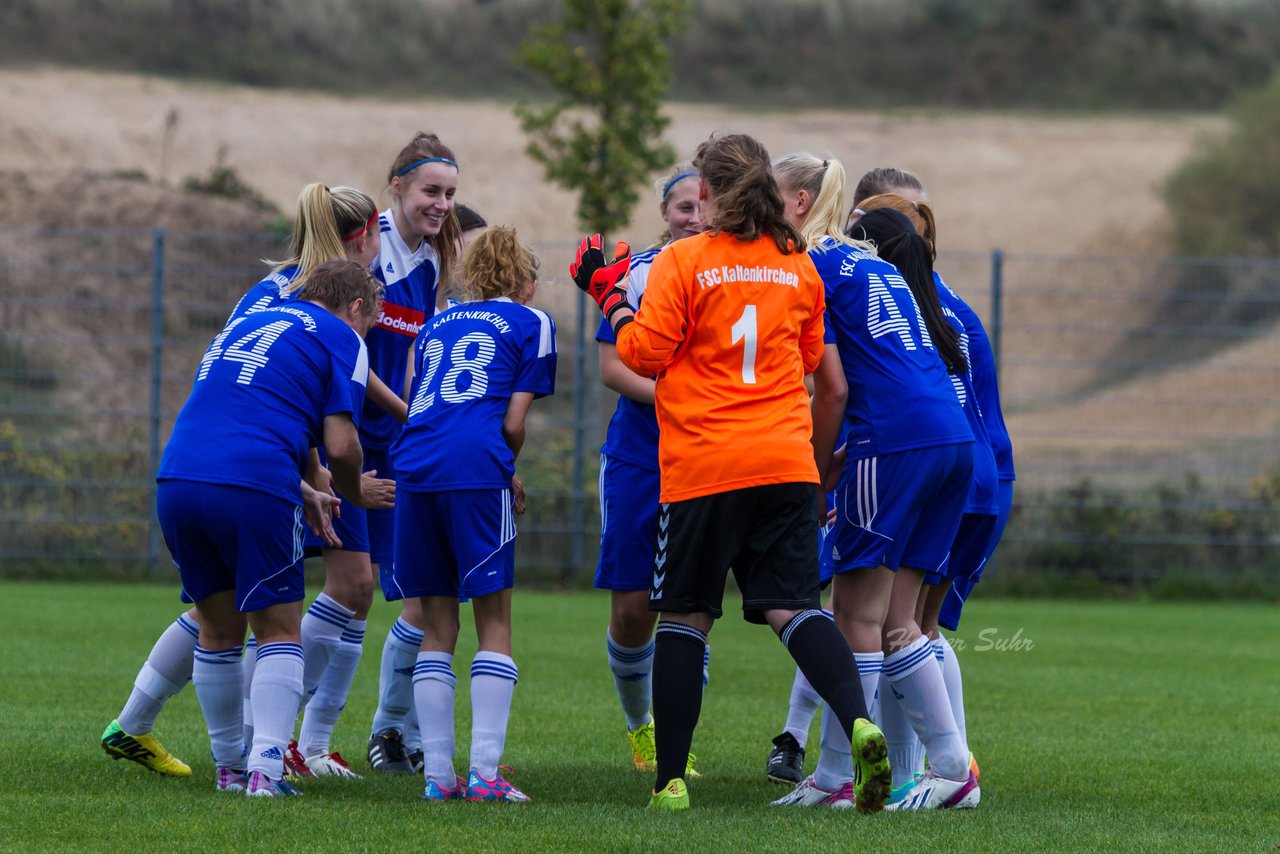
(331, 765)
(808, 793)
(939, 793)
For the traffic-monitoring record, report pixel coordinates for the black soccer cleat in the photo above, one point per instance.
(387, 753)
(786, 760)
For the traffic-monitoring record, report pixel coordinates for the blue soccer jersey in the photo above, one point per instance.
(633, 430)
(982, 365)
(983, 489)
(468, 362)
(410, 277)
(268, 292)
(260, 397)
(900, 395)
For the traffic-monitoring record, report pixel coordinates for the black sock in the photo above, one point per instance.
(677, 695)
(822, 654)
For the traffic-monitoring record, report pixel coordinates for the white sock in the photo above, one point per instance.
(906, 753)
(835, 762)
(395, 677)
(706, 665)
(412, 729)
(322, 628)
(917, 682)
(322, 713)
(950, 665)
(433, 689)
(167, 669)
(493, 681)
(632, 669)
(219, 680)
(276, 695)
(803, 706)
(250, 662)
(870, 665)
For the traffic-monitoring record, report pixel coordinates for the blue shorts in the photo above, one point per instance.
(953, 605)
(628, 525)
(826, 568)
(226, 537)
(970, 550)
(900, 510)
(459, 543)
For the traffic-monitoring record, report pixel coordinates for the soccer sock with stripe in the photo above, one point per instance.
(906, 753)
(250, 662)
(835, 761)
(434, 684)
(275, 697)
(950, 665)
(219, 679)
(493, 681)
(322, 628)
(822, 653)
(870, 666)
(632, 669)
(395, 677)
(917, 683)
(321, 715)
(167, 669)
(800, 711)
(677, 695)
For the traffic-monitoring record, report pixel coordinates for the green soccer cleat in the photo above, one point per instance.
(673, 796)
(644, 753)
(872, 779)
(143, 749)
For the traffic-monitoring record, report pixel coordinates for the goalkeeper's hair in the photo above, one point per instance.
(885, 179)
(823, 180)
(421, 147)
(325, 220)
(337, 284)
(920, 214)
(898, 243)
(745, 199)
(498, 265)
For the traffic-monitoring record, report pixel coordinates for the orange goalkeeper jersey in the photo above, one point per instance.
(729, 328)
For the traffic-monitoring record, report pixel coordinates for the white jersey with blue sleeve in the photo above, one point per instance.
(468, 362)
(261, 394)
(410, 277)
(633, 430)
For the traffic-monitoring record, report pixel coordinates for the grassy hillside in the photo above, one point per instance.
(1095, 54)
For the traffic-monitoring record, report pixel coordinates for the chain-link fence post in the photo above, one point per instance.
(157, 375)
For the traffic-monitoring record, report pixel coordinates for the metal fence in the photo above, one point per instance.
(1142, 395)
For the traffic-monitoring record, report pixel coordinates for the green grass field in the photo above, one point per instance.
(1098, 726)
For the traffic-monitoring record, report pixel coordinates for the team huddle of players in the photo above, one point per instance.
(367, 401)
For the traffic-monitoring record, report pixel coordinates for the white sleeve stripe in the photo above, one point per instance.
(546, 340)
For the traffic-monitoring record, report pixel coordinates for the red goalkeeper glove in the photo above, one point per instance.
(599, 278)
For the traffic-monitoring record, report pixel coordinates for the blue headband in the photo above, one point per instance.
(676, 180)
(415, 164)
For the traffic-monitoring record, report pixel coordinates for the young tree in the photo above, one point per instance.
(602, 135)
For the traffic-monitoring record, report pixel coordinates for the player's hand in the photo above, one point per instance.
(517, 490)
(836, 470)
(600, 278)
(319, 508)
(376, 493)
